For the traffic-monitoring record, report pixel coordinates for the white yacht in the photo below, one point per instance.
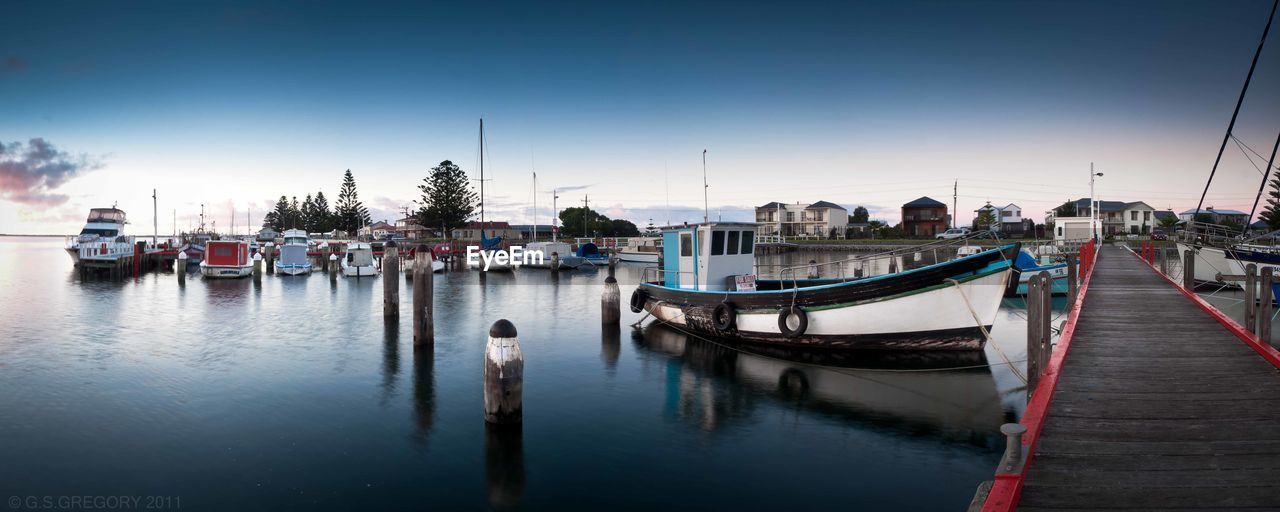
(358, 261)
(641, 250)
(102, 227)
(293, 254)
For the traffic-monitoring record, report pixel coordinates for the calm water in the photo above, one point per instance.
(295, 394)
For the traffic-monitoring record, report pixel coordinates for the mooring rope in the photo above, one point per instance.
(985, 333)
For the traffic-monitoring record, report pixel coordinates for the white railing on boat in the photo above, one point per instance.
(102, 250)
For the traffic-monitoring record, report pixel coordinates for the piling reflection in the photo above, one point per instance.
(424, 391)
(610, 345)
(504, 465)
(390, 357)
(944, 395)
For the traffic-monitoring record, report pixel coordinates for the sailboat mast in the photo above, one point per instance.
(533, 237)
(555, 194)
(1265, 174)
(482, 178)
(155, 219)
(705, 210)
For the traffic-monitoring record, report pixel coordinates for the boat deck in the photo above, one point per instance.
(1158, 405)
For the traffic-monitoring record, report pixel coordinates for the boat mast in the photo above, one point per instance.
(705, 210)
(555, 194)
(1231, 125)
(482, 181)
(155, 220)
(533, 236)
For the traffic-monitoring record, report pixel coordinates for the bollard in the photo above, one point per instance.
(270, 249)
(1073, 280)
(257, 268)
(1251, 297)
(333, 268)
(610, 308)
(813, 269)
(613, 266)
(423, 292)
(1013, 456)
(1046, 319)
(1266, 307)
(181, 267)
(390, 281)
(503, 375)
(1163, 256)
(1189, 269)
(893, 264)
(555, 261)
(1034, 321)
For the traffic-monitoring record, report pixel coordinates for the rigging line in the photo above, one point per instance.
(1240, 101)
(1249, 158)
(1251, 150)
(1263, 186)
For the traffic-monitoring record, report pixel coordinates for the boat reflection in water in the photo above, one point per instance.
(947, 395)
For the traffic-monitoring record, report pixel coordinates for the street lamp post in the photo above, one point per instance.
(1093, 205)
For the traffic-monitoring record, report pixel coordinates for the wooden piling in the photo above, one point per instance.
(1265, 307)
(333, 268)
(610, 305)
(1162, 255)
(555, 261)
(257, 268)
(180, 267)
(270, 249)
(1035, 314)
(893, 264)
(1046, 319)
(503, 375)
(390, 280)
(1073, 280)
(813, 269)
(1189, 269)
(423, 292)
(1251, 297)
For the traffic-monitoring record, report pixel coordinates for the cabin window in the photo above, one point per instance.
(686, 245)
(748, 242)
(222, 251)
(717, 243)
(732, 246)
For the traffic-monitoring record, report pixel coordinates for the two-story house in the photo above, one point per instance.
(409, 228)
(1216, 216)
(1139, 218)
(819, 220)
(1005, 219)
(925, 217)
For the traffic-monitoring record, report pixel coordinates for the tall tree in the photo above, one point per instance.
(295, 215)
(860, 215)
(620, 227)
(350, 214)
(324, 216)
(308, 211)
(1271, 212)
(278, 217)
(448, 199)
(573, 224)
(1067, 209)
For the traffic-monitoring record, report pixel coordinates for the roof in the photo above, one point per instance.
(925, 202)
(1214, 211)
(1259, 224)
(1103, 206)
(774, 204)
(379, 225)
(487, 225)
(1130, 206)
(826, 204)
(712, 223)
(1161, 214)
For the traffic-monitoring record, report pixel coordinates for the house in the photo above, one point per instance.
(409, 228)
(472, 231)
(924, 217)
(1217, 216)
(376, 231)
(820, 219)
(544, 231)
(1071, 228)
(1007, 219)
(1259, 227)
(1161, 215)
(1139, 218)
(267, 235)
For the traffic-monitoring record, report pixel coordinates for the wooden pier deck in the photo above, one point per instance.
(1157, 404)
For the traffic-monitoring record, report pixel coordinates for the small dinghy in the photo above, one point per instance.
(706, 286)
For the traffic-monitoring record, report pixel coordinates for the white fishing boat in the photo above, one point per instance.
(358, 261)
(708, 287)
(226, 259)
(641, 250)
(104, 225)
(563, 255)
(293, 260)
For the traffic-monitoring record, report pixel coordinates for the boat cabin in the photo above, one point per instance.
(707, 256)
(227, 253)
(359, 254)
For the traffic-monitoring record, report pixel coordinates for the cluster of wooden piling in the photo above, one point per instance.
(1258, 305)
(1040, 318)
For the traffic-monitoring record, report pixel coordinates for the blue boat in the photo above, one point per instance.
(1028, 266)
(591, 254)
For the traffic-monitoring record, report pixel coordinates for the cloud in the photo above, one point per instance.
(571, 188)
(30, 172)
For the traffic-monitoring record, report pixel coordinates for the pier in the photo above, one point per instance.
(1152, 399)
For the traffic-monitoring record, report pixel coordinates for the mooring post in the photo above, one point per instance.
(610, 307)
(1013, 456)
(423, 292)
(1162, 255)
(257, 268)
(1265, 308)
(813, 269)
(270, 249)
(1251, 297)
(893, 264)
(333, 268)
(1046, 319)
(1189, 269)
(390, 280)
(503, 375)
(1073, 280)
(555, 261)
(1034, 322)
(180, 267)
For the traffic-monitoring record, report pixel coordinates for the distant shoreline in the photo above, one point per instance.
(34, 236)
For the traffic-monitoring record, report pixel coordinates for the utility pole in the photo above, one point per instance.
(585, 232)
(955, 208)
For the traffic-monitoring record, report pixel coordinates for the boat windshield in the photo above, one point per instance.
(295, 240)
(99, 232)
(106, 215)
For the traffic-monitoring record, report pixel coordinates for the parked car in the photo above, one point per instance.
(953, 233)
(1159, 236)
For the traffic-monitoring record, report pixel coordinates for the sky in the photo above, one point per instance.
(232, 105)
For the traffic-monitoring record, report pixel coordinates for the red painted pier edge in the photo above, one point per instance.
(1262, 348)
(1007, 488)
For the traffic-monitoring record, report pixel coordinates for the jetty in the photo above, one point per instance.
(1152, 399)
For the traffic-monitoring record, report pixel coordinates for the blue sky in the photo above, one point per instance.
(872, 103)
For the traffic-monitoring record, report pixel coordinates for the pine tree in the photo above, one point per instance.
(1271, 213)
(448, 200)
(295, 215)
(308, 211)
(278, 218)
(350, 214)
(324, 217)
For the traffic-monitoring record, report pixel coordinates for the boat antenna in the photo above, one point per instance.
(155, 220)
(1231, 125)
(1265, 174)
(705, 209)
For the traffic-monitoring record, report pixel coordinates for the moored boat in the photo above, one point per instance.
(226, 259)
(563, 255)
(104, 225)
(641, 250)
(1028, 267)
(708, 288)
(293, 259)
(358, 261)
(590, 253)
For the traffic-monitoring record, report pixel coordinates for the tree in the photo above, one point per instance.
(295, 220)
(572, 223)
(308, 214)
(860, 215)
(620, 227)
(1271, 212)
(277, 217)
(350, 214)
(1068, 209)
(1168, 221)
(986, 218)
(323, 216)
(448, 199)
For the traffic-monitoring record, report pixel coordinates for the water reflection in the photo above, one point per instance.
(424, 391)
(390, 357)
(504, 465)
(610, 345)
(945, 395)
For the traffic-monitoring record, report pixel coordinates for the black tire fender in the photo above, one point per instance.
(724, 316)
(802, 321)
(638, 298)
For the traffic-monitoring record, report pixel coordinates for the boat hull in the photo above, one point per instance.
(293, 269)
(638, 257)
(1057, 276)
(359, 270)
(1210, 261)
(225, 272)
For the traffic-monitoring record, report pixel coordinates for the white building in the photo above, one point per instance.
(1008, 218)
(1139, 218)
(815, 220)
